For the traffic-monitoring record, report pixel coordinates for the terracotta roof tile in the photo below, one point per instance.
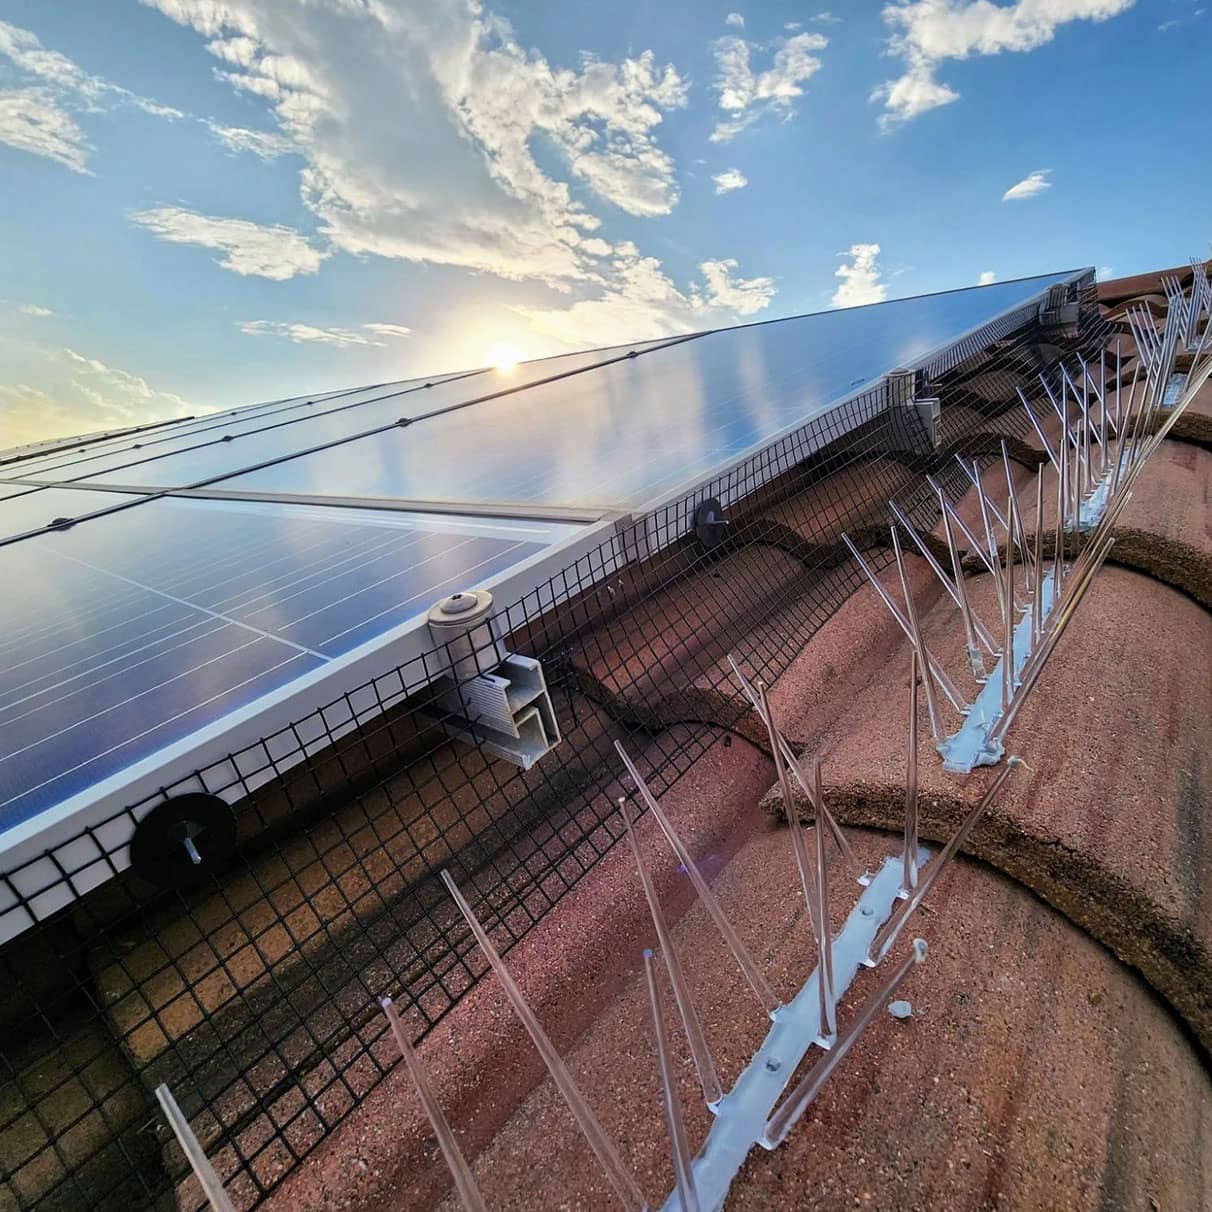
(1057, 1056)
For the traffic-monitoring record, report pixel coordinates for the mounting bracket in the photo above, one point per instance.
(901, 389)
(507, 712)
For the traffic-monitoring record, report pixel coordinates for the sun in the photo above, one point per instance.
(503, 358)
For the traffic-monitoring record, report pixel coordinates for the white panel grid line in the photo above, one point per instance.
(62, 671)
(20, 640)
(65, 679)
(440, 585)
(362, 588)
(169, 720)
(375, 548)
(267, 635)
(194, 582)
(127, 670)
(111, 707)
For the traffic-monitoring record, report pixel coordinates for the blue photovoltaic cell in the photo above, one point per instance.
(74, 462)
(125, 634)
(58, 452)
(34, 508)
(337, 419)
(620, 435)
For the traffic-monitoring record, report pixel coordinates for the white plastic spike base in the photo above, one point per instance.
(741, 1116)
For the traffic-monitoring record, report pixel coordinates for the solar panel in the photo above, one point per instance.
(72, 461)
(248, 441)
(618, 436)
(135, 642)
(29, 508)
(118, 637)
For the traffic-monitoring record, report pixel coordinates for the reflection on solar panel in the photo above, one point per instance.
(203, 450)
(33, 508)
(627, 433)
(150, 621)
(120, 638)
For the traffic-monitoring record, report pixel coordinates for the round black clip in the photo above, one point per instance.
(710, 525)
(184, 840)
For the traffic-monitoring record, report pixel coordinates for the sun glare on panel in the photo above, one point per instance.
(504, 358)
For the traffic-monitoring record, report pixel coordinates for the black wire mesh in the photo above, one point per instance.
(254, 995)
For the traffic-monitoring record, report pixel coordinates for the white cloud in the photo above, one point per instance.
(1173, 23)
(729, 179)
(746, 95)
(263, 143)
(927, 33)
(388, 330)
(1032, 184)
(277, 253)
(1104, 274)
(735, 19)
(744, 296)
(307, 334)
(456, 181)
(827, 18)
(29, 56)
(38, 117)
(118, 383)
(32, 120)
(32, 309)
(421, 126)
(642, 302)
(84, 395)
(860, 278)
(987, 278)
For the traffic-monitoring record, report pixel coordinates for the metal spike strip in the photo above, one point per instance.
(824, 928)
(682, 1172)
(709, 1079)
(974, 627)
(1107, 432)
(621, 1180)
(208, 1180)
(947, 686)
(456, 1163)
(788, 1113)
(757, 1110)
(752, 973)
(794, 766)
(795, 828)
(919, 646)
(910, 856)
(888, 933)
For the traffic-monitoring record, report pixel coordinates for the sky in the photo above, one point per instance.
(206, 203)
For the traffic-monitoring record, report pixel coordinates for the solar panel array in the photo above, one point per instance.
(242, 961)
(138, 617)
(120, 637)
